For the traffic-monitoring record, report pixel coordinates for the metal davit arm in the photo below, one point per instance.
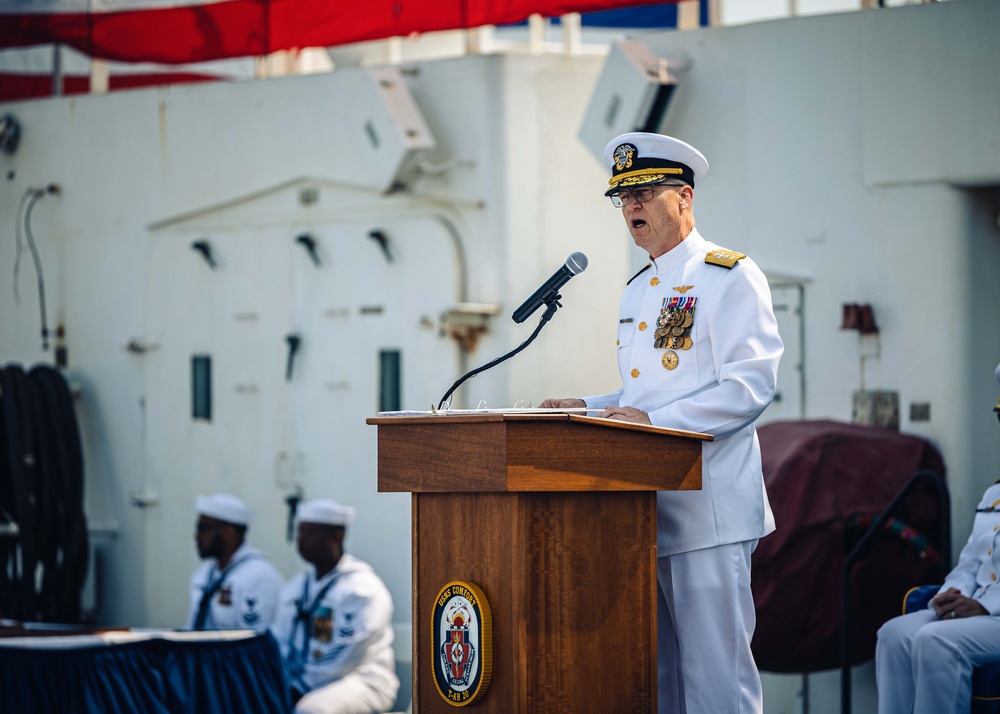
(861, 549)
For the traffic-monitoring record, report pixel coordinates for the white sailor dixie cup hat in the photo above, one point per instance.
(640, 158)
(325, 511)
(224, 507)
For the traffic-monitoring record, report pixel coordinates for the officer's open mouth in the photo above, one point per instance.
(638, 223)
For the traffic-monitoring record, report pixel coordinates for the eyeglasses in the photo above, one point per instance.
(640, 194)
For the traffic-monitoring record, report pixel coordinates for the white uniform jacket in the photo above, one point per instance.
(720, 385)
(246, 597)
(978, 569)
(338, 625)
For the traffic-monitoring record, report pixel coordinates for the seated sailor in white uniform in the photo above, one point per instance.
(237, 588)
(924, 659)
(334, 622)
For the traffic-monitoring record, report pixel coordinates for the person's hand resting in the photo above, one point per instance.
(952, 604)
(619, 413)
(562, 404)
(631, 414)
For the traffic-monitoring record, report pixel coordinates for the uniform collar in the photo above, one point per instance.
(240, 554)
(679, 254)
(344, 564)
(243, 551)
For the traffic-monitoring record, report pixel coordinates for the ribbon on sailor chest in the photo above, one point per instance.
(673, 328)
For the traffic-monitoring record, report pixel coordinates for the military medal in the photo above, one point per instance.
(322, 630)
(673, 328)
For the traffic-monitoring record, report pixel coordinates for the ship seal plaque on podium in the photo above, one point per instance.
(461, 643)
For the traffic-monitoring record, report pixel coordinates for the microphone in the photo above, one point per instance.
(549, 291)
(548, 294)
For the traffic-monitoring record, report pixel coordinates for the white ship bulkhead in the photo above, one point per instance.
(846, 158)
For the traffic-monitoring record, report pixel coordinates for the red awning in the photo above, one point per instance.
(20, 85)
(173, 32)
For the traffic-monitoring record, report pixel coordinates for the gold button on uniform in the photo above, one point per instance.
(989, 552)
(642, 326)
(654, 281)
(993, 576)
(996, 528)
(635, 373)
(618, 342)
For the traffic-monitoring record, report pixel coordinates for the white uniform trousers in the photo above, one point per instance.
(706, 621)
(350, 694)
(924, 665)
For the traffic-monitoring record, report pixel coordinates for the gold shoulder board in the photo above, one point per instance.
(724, 258)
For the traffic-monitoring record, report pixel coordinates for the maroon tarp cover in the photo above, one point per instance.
(826, 481)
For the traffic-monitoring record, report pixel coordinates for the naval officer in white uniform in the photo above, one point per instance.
(237, 589)
(924, 659)
(334, 622)
(698, 349)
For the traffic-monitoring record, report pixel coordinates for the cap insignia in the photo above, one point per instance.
(623, 156)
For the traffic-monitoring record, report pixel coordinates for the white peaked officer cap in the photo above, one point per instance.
(225, 507)
(640, 158)
(325, 511)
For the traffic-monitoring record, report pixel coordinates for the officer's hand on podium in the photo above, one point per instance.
(625, 414)
(562, 404)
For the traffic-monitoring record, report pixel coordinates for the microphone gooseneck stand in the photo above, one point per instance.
(553, 305)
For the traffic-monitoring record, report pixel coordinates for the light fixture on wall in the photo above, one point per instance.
(379, 236)
(878, 407)
(860, 318)
(203, 247)
(309, 243)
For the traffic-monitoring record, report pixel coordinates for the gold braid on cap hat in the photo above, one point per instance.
(644, 176)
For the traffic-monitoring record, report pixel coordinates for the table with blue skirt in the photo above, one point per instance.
(136, 672)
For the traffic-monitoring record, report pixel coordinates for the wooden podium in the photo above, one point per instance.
(553, 516)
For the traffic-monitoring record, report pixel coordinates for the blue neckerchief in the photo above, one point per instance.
(211, 587)
(304, 616)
